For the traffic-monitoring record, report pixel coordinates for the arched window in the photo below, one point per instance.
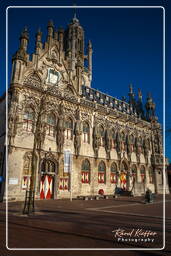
(28, 119)
(51, 123)
(85, 171)
(102, 172)
(150, 173)
(123, 140)
(47, 166)
(113, 138)
(27, 161)
(68, 129)
(113, 173)
(142, 173)
(86, 132)
(102, 135)
(132, 142)
(140, 144)
(134, 172)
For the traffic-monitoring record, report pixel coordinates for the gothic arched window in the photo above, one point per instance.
(113, 138)
(27, 161)
(86, 132)
(142, 173)
(123, 140)
(85, 171)
(51, 123)
(102, 135)
(102, 172)
(150, 173)
(113, 173)
(68, 129)
(28, 119)
(134, 172)
(47, 166)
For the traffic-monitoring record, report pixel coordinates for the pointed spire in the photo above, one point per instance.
(50, 29)
(38, 40)
(150, 108)
(89, 44)
(24, 38)
(131, 95)
(139, 95)
(24, 34)
(74, 19)
(50, 24)
(130, 89)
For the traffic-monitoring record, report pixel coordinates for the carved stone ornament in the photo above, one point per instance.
(60, 129)
(77, 132)
(33, 80)
(96, 140)
(108, 142)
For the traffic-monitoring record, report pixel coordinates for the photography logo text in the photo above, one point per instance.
(134, 235)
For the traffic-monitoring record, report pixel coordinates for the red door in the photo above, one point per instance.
(46, 187)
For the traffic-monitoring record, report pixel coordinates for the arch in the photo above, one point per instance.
(86, 132)
(124, 166)
(32, 79)
(51, 124)
(85, 171)
(113, 167)
(28, 118)
(151, 175)
(68, 128)
(101, 172)
(48, 171)
(48, 166)
(102, 135)
(27, 168)
(114, 173)
(142, 173)
(134, 171)
(113, 135)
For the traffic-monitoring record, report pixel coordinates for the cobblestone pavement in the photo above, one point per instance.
(86, 224)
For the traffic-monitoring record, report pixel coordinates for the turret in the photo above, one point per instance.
(50, 30)
(38, 41)
(132, 98)
(139, 107)
(74, 40)
(150, 108)
(21, 57)
(24, 39)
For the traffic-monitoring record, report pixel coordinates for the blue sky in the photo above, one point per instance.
(127, 44)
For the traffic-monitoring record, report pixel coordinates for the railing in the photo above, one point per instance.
(107, 101)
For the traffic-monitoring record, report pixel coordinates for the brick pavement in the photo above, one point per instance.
(68, 223)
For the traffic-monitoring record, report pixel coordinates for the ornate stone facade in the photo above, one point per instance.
(59, 128)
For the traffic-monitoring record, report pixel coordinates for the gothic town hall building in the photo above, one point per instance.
(68, 136)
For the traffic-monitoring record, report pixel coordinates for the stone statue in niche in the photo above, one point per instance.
(146, 149)
(118, 142)
(129, 146)
(96, 140)
(78, 132)
(60, 130)
(108, 142)
(137, 148)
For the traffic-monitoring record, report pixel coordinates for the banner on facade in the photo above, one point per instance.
(67, 161)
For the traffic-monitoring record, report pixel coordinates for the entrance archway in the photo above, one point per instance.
(47, 179)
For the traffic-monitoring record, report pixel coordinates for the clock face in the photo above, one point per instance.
(54, 76)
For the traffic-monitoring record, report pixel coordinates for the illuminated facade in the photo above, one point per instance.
(74, 131)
